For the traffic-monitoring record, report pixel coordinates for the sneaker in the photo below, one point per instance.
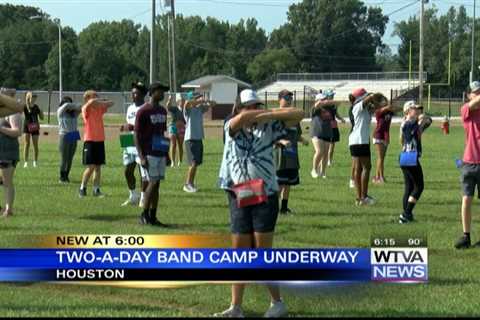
(62, 181)
(143, 219)
(179, 164)
(232, 312)
(405, 218)
(141, 202)
(25, 165)
(133, 201)
(97, 193)
(352, 184)
(189, 188)
(375, 180)
(324, 176)
(157, 223)
(314, 174)
(463, 243)
(172, 165)
(369, 201)
(329, 163)
(277, 309)
(34, 164)
(82, 192)
(286, 211)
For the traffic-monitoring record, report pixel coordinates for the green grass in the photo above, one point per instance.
(326, 217)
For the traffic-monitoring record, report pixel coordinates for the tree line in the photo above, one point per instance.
(318, 36)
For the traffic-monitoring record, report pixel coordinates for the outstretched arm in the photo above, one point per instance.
(9, 106)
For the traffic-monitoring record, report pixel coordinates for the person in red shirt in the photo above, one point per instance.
(470, 177)
(381, 139)
(152, 147)
(94, 140)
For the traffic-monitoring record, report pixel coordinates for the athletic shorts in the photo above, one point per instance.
(155, 170)
(325, 139)
(194, 150)
(380, 141)
(470, 178)
(93, 153)
(288, 177)
(172, 129)
(335, 135)
(260, 218)
(360, 150)
(5, 164)
(129, 158)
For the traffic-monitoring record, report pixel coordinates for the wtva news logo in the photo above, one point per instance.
(399, 264)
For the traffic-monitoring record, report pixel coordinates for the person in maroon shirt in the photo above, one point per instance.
(381, 139)
(152, 147)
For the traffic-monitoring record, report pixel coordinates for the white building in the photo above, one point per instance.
(220, 88)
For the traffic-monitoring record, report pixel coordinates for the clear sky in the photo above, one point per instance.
(270, 13)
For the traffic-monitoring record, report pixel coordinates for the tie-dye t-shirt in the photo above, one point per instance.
(249, 155)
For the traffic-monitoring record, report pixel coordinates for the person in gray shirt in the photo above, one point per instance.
(194, 109)
(67, 115)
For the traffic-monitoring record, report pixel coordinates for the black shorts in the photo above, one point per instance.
(288, 177)
(360, 150)
(34, 133)
(260, 218)
(5, 164)
(194, 150)
(335, 135)
(470, 178)
(93, 153)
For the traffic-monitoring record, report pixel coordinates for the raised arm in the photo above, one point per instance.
(474, 104)
(15, 130)
(9, 106)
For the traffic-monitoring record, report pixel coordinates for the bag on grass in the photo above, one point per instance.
(250, 193)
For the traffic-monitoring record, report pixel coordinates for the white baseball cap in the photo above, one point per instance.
(410, 105)
(320, 96)
(249, 97)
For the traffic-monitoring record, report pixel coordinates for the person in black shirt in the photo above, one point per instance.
(288, 164)
(31, 127)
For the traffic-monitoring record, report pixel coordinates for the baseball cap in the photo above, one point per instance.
(140, 86)
(157, 86)
(475, 86)
(249, 97)
(359, 94)
(329, 94)
(410, 105)
(320, 96)
(284, 93)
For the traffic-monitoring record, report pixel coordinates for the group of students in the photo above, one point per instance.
(260, 160)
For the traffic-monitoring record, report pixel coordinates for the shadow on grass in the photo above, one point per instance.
(106, 217)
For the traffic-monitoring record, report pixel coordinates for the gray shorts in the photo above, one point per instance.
(156, 169)
(129, 158)
(194, 150)
(260, 218)
(470, 178)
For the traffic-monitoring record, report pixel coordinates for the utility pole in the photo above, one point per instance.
(174, 60)
(420, 66)
(169, 31)
(153, 51)
(473, 43)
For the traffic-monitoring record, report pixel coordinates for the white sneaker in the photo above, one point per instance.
(324, 176)
(277, 310)
(172, 165)
(25, 165)
(314, 174)
(232, 312)
(330, 163)
(141, 202)
(369, 201)
(133, 200)
(189, 188)
(179, 164)
(34, 164)
(352, 184)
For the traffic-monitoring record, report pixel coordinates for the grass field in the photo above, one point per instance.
(326, 217)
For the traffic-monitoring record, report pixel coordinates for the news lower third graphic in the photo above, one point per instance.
(190, 259)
